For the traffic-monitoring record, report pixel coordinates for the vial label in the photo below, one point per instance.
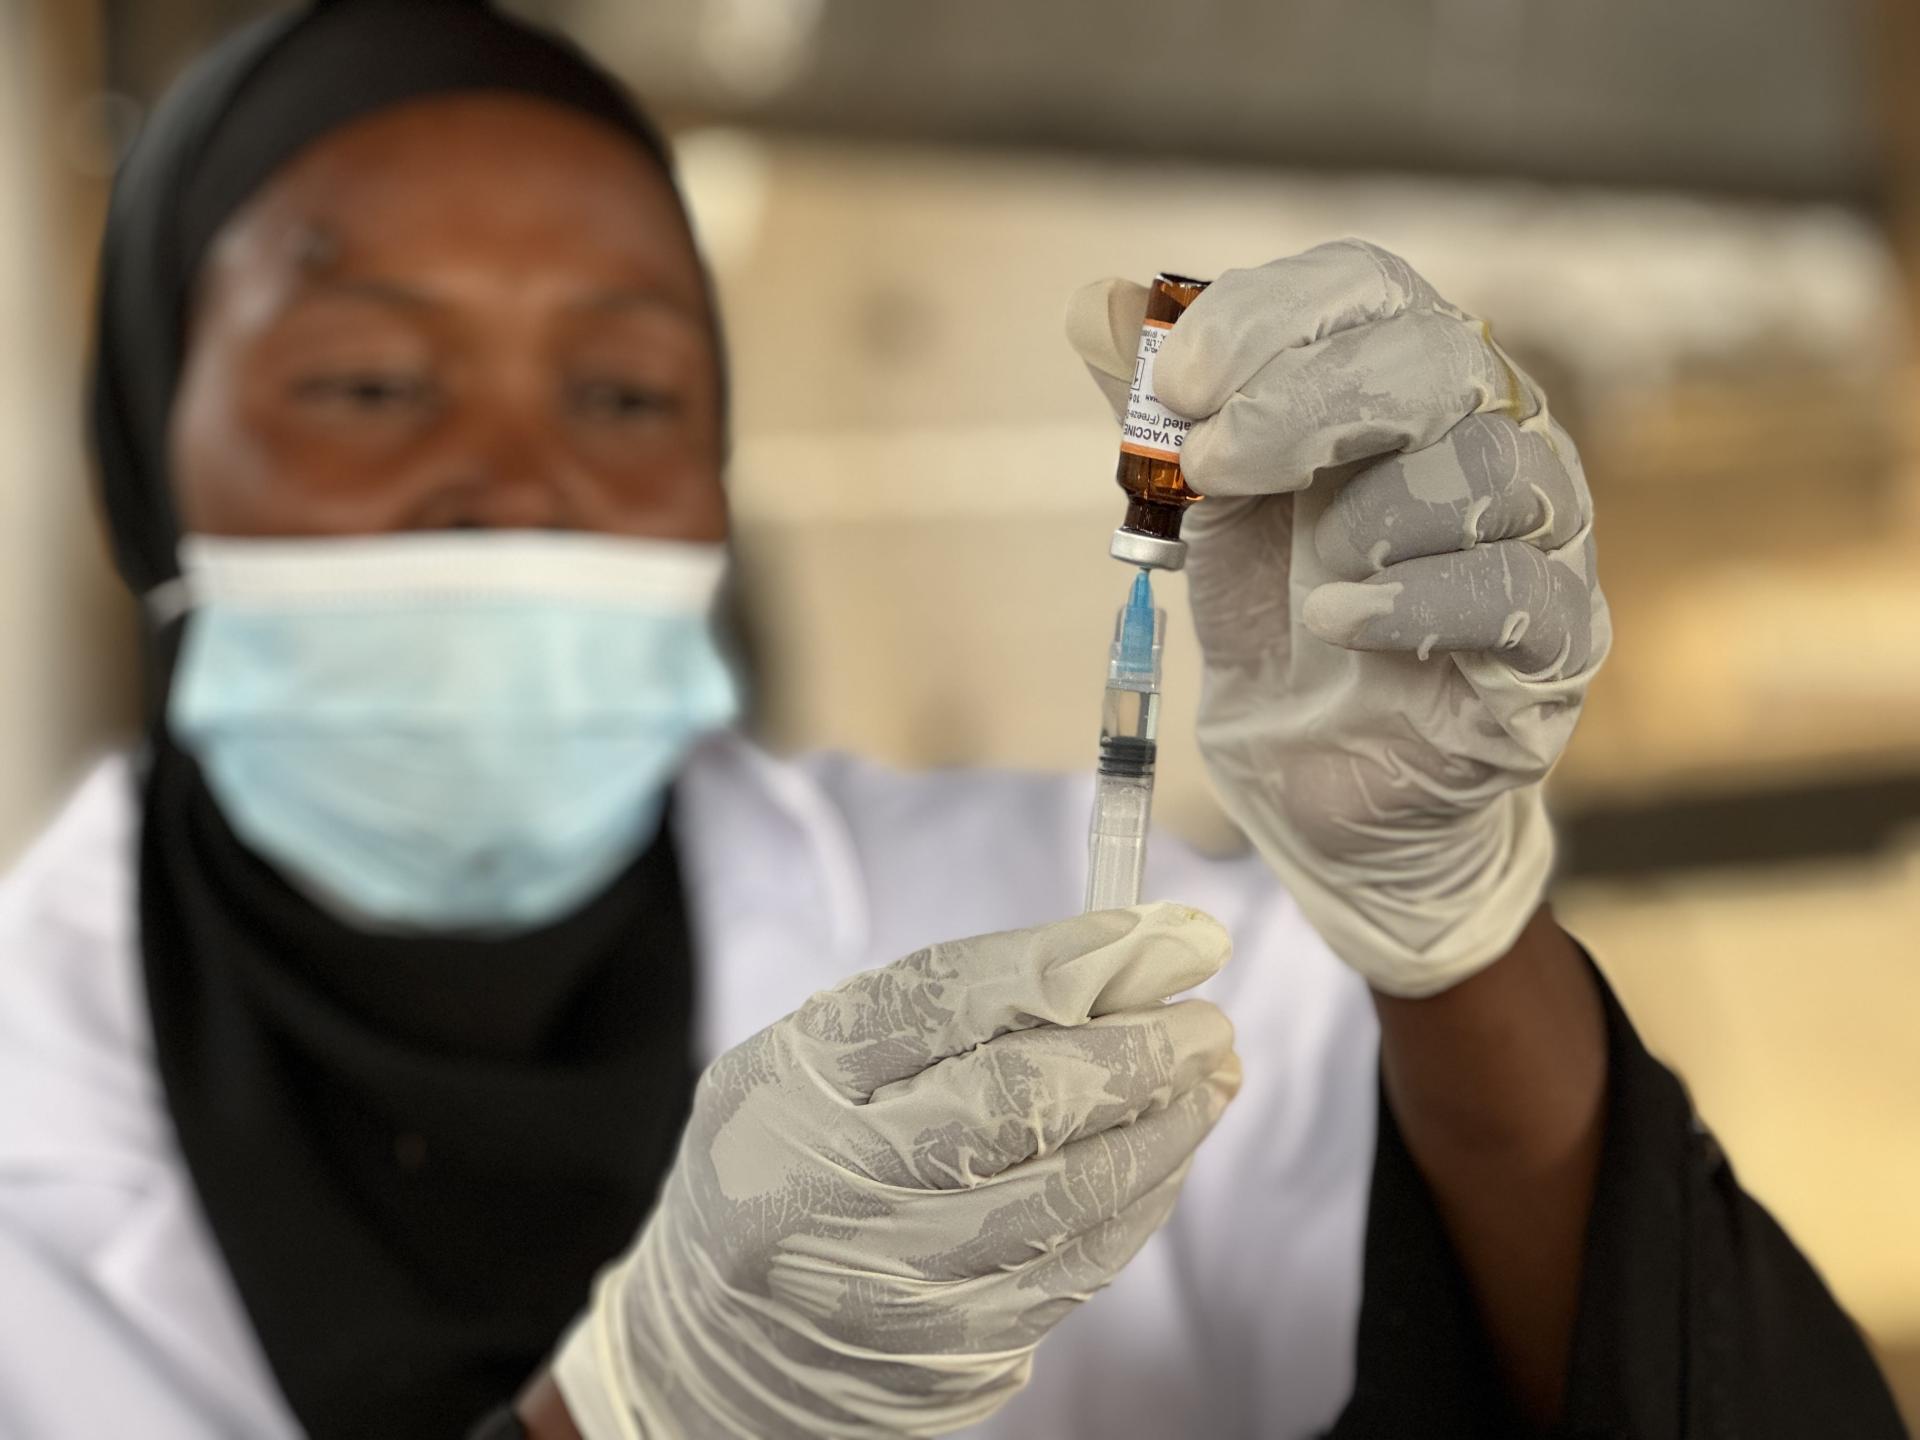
(1150, 429)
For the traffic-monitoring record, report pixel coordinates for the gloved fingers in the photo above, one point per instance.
(1396, 384)
(1239, 560)
(1531, 609)
(1489, 479)
(1236, 327)
(888, 1024)
(1031, 1092)
(1103, 326)
(1004, 1308)
(1035, 1208)
(1087, 1263)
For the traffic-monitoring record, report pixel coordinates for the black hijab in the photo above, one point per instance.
(413, 1152)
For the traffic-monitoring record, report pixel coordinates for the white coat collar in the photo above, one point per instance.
(773, 885)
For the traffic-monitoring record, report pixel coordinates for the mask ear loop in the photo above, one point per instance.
(165, 607)
(168, 601)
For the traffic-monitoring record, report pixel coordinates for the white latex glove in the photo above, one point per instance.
(884, 1201)
(1393, 582)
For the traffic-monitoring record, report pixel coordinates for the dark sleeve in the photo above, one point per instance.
(1698, 1318)
(502, 1424)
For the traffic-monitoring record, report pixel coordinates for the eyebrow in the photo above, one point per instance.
(616, 302)
(401, 295)
(384, 292)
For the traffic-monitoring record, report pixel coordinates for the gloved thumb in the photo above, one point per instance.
(885, 1025)
(1103, 326)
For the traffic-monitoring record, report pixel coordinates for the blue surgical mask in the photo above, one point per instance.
(463, 731)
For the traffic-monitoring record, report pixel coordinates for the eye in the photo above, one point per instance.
(621, 400)
(372, 392)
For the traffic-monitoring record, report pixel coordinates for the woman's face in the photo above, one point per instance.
(469, 311)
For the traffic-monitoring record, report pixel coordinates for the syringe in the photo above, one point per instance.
(1123, 781)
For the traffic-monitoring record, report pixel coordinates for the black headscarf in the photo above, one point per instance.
(413, 1152)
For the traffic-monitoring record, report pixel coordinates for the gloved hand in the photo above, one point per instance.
(1393, 582)
(884, 1201)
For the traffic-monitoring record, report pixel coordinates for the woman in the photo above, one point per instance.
(350, 1031)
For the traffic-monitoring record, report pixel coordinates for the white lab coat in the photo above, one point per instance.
(117, 1316)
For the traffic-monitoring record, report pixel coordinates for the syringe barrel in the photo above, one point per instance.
(1117, 840)
(1129, 731)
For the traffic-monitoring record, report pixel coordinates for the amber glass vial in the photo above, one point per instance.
(1151, 437)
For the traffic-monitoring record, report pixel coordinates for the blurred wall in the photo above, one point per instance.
(34, 463)
(1759, 95)
(66, 667)
(923, 479)
(22, 721)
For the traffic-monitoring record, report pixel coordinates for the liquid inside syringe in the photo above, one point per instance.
(1129, 730)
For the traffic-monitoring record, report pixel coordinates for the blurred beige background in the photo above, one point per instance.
(1694, 228)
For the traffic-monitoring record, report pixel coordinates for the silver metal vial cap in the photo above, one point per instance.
(1148, 551)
